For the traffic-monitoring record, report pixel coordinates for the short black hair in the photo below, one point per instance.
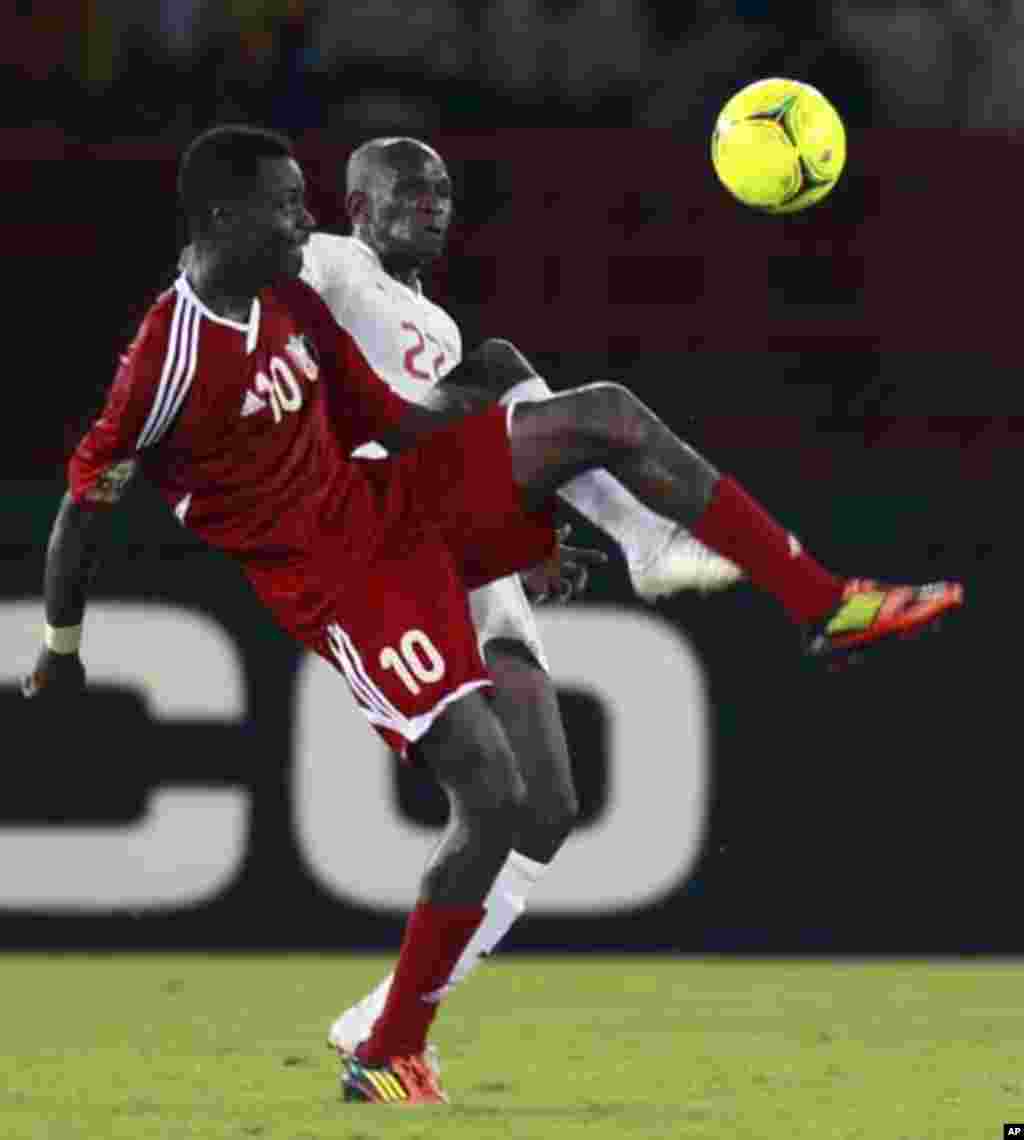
(219, 161)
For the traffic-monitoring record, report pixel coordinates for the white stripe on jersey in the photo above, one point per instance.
(178, 397)
(172, 340)
(178, 371)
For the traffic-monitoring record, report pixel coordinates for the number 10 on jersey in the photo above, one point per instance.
(281, 388)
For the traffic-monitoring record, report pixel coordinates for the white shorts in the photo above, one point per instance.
(501, 610)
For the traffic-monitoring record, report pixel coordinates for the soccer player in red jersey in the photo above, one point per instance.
(242, 400)
(399, 199)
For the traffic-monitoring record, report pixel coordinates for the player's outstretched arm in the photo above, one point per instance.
(71, 562)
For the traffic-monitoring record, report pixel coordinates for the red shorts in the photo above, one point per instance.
(459, 480)
(447, 517)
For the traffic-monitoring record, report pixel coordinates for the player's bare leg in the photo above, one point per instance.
(605, 425)
(662, 557)
(557, 439)
(526, 703)
(469, 753)
(527, 706)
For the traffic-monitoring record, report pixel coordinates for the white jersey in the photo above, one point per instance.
(408, 340)
(411, 343)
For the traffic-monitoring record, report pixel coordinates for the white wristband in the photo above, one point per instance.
(63, 639)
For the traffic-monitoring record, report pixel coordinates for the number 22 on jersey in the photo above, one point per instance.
(425, 351)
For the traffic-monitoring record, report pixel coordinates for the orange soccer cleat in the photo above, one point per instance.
(869, 613)
(402, 1081)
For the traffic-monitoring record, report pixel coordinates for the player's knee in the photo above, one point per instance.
(550, 808)
(492, 798)
(555, 813)
(502, 353)
(567, 810)
(498, 366)
(612, 416)
(495, 824)
(547, 820)
(468, 754)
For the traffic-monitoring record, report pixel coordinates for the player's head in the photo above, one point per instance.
(243, 193)
(399, 198)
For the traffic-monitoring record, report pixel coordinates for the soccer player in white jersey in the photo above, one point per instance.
(399, 200)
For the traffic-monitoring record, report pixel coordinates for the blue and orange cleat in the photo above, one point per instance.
(402, 1081)
(869, 613)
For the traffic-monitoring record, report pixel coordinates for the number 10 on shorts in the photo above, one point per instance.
(416, 662)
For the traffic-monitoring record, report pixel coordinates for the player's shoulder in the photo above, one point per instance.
(160, 314)
(335, 262)
(154, 333)
(328, 247)
(173, 336)
(326, 251)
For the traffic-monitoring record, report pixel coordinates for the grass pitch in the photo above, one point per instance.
(229, 1048)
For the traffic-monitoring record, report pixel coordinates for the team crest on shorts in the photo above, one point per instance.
(303, 352)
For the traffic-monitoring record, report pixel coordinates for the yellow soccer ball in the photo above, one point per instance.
(779, 145)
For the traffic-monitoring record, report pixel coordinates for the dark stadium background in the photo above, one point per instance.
(857, 367)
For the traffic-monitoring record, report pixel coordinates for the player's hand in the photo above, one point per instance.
(564, 575)
(55, 676)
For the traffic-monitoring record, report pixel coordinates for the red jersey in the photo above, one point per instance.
(246, 429)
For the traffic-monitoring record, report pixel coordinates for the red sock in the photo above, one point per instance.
(435, 937)
(735, 525)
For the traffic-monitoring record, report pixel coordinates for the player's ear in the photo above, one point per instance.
(357, 206)
(221, 218)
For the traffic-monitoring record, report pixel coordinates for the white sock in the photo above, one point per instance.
(640, 533)
(505, 902)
